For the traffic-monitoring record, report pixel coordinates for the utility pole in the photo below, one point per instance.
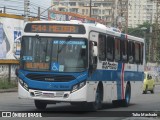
(4, 9)
(113, 13)
(150, 33)
(39, 13)
(155, 44)
(90, 8)
(122, 15)
(26, 10)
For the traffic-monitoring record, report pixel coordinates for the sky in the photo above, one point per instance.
(19, 6)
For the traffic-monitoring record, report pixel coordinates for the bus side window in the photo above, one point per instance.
(124, 56)
(102, 47)
(117, 50)
(137, 53)
(141, 53)
(131, 52)
(110, 48)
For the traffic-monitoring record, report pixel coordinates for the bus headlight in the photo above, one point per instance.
(23, 84)
(78, 86)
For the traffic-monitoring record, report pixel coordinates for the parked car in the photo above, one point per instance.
(148, 83)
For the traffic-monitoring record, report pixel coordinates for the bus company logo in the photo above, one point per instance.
(49, 79)
(109, 65)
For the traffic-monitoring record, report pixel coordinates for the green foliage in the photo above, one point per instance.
(138, 32)
(4, 84)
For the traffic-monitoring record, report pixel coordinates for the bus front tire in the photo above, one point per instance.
(40, 105)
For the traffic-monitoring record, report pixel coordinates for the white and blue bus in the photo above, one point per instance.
(79, 63)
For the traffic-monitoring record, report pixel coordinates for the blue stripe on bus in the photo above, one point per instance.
(98, 75)
(112, 75)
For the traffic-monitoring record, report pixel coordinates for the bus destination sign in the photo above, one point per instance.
(54, 28)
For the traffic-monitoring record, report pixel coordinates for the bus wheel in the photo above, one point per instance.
(40, 105)
(126, 101)
(98, 101)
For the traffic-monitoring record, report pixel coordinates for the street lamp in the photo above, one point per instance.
(144, 31)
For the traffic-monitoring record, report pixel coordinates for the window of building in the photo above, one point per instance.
(83, 11)
(72, 3)
(86, 11)
(103, 11)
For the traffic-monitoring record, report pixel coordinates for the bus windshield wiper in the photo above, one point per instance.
(64, 45)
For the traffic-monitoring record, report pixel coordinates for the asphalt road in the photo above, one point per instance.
(144, 102)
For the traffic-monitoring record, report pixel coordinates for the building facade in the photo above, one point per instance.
(140, 11)
(116, 13)
(100, 9)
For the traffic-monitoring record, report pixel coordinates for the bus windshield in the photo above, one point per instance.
(54, 54)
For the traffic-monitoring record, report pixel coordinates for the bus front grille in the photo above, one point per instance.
(50, 77)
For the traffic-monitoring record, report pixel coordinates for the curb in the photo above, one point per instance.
(8, 90)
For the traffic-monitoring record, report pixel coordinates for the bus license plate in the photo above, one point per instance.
(50, 95)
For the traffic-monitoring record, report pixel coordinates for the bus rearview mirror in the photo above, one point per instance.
(95, 51)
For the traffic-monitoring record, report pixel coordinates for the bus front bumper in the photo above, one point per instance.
(59, 96)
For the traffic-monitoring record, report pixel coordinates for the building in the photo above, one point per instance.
(100, 9)
(117, 13)
(140, 11)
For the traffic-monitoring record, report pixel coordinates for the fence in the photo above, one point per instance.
(7, 70)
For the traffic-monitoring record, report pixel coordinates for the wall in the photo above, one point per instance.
(10, 31)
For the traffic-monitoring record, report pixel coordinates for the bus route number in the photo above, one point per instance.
(54, 28)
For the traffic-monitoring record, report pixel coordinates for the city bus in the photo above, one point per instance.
(79, 63)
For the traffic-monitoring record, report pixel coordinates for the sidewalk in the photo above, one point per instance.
(9, 90)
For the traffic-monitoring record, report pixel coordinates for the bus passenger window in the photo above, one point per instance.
(137, 53)
(110, 48)
(141, 53)
(131, 52)
(124, 50)
(102, 47)
(117, 50)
